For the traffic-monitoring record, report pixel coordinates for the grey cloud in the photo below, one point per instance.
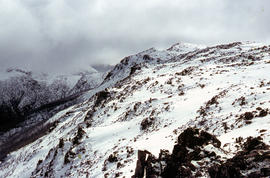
(64, 35)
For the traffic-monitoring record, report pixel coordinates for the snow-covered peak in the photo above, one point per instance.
(152, 55)
(181, 48)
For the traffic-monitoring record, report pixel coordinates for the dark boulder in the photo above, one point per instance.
(254, 143)
(133, 69)
(146, 57)
(101, 96)
(263, 113)
(192, 137)
(248, 115)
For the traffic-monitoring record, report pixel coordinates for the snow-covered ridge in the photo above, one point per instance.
(152, 55)
(70, 79)
(151, 98)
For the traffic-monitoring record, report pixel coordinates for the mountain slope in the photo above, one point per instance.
(148, 101)
(23, 93)
(28, 99)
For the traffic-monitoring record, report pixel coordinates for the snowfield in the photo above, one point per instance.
(145, 102)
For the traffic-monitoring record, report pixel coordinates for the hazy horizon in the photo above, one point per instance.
(66, 35)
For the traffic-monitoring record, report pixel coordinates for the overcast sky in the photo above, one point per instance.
(62, 35)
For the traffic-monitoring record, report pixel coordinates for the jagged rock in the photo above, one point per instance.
(61, 143)
(178, 164)
(247, 159)
(146, 123)
(186, 71)
(182, 156)
(248, 115)
(263, 113)
(141, 163)
(113, 158)
(153, 168)
(254, 143)
(79, 135)
(133, 69)
(101, 96)
(146, 57)
(192, 137)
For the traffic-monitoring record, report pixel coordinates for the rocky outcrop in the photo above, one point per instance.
(252, 161)
(190, 147)
(189, 159)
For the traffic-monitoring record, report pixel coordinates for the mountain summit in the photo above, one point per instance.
(187, 111)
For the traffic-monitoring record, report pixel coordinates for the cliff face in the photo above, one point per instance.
(206, 108)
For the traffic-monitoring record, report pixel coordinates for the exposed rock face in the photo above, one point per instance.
(102, 95)
(255, 154)
(178, 164)
(141, 163)
(150, 166)
(189, 147)
(189, 159)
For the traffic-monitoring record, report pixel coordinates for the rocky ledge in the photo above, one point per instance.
(198, 153)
